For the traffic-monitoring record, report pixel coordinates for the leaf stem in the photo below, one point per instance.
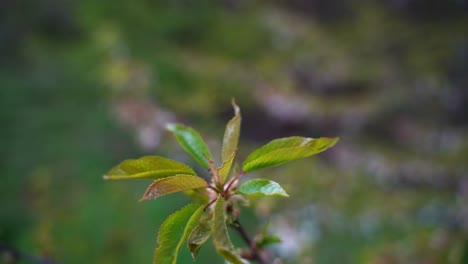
(210, 203)
(213, 188)
(238, 176)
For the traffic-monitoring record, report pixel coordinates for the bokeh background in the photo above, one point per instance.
(86, 84)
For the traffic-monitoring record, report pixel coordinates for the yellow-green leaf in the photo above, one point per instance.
(231, 134)
(262, 187)
(191, 142)
(148, 167)
(173, 184)
(199, 196)
(174, 232)
(224, 170)
(199, 235)
(221, 238)
(282, 150)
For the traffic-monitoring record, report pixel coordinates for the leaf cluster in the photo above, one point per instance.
(214, 201)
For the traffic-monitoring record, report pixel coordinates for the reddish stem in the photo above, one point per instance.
(213, 188)
(238, 176)
(210, 203)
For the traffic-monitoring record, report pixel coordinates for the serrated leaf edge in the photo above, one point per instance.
(202, 184)
(249, 161)
(184, 234)
(143, 175)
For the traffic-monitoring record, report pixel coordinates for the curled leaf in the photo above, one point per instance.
(282, 150)
(199, 235)
(173, 184)
(191, 142)
(148, 167)
(231, 134)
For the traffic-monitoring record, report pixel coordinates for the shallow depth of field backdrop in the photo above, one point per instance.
(86, 84)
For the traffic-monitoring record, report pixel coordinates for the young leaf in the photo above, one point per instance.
(199, 235)
(148, 167)
(282, 150)
(268, 240)
(174, 231)
(262, 187)
(224, 170)
(191, 142)
(221, 238)
(173, 184)
(231, 134)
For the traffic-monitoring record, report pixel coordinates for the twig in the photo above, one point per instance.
(255, 253)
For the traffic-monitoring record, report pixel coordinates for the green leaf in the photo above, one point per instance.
(268, 240)
(221, 238)
(199, 235)
(262, 187)
(174, 232)
(231, 134)
(224, 170)
(283, 150)
(191, 142)
(173, 184)
(148, 167)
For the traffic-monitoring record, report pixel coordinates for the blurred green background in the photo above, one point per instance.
(87, 84)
